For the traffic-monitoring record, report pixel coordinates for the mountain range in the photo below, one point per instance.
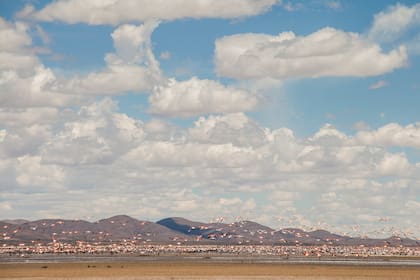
(176, 230)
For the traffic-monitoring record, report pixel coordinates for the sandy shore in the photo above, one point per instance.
(179, 270)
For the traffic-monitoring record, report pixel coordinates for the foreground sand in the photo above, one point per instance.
(179, 270)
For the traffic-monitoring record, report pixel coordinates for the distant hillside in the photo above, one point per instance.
(16, 221)
(112, 229)
(176, 229)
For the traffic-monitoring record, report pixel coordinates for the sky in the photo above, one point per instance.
(288, 113)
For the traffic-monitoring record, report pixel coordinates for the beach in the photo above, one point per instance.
(201, 270)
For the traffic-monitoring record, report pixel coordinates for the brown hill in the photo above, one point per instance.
(116, 228)
(176, 229)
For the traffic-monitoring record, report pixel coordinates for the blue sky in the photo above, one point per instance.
(299, 109)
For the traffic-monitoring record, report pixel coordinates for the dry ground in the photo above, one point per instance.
(178, 270)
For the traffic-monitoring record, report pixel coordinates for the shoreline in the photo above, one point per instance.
(215, 258)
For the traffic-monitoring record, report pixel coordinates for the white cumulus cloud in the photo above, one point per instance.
(391, 134)
(122, 11)
(379, 84)
(15, 47)
(327, 52)
(197, 97)
(132, 67)
(24, 81)
(234, 128)
(394, 164)
(97, 134)
(391, 24)
(96, 152)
